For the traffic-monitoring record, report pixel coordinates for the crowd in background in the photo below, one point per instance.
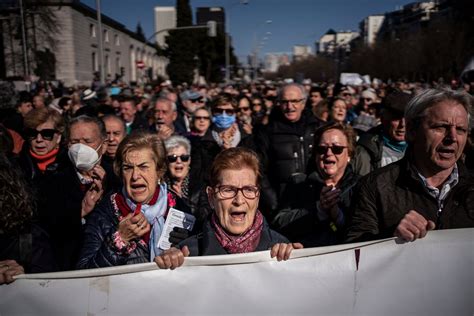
(89, 174)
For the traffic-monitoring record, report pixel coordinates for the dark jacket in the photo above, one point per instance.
(31, 249)
(298, 220)
(285, 149)
(98, 249)
(368, 154)
(387, 194)
(206, 243)
(204, 150)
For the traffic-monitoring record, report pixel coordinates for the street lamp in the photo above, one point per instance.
(259, 46)
(227, 40)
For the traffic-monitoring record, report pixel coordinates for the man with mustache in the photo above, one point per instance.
(430, 188)
(384, 143)
(285, 143)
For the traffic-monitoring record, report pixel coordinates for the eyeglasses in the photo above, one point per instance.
(221, 111)
(346, 94)
(46, 134)
(256, 104)
(229, 191)
(206, 118)
(174, 158)
(243, 109)
(294, 101)
(336, 150)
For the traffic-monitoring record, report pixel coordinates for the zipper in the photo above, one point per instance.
(303, 160)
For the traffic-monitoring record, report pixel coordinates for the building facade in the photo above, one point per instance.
(73, 48)
(370, 27)
(165, 18)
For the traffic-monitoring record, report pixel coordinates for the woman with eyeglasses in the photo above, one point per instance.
(235, 225)
(42, 152)
(315, 211)
(125, 227)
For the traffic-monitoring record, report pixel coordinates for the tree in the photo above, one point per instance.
(182, 46)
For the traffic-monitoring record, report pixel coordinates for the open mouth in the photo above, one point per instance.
(446, 152)
(238, 216)
(138, 188)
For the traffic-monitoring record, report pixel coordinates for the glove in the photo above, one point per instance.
(178, 235)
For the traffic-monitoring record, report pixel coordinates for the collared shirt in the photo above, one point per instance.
(438, 194)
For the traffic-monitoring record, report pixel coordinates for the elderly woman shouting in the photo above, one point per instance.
(314, 212)
(236, 225)
(125, 226)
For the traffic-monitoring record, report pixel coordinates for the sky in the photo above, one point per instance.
(293, 22)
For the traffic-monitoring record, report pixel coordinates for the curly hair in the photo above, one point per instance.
(16, 200)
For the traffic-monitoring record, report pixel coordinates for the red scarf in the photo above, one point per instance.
(43, 161)
(246, 242)
(125, 209)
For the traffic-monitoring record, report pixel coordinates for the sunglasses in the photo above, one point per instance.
(174, 158)
(206, 118)
(243, 109)
(221, 111)
(336, 150)
(368, 99)
(197, 101)
(256, 104)
(46, 134)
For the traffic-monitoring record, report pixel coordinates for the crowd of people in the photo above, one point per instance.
(88, 178)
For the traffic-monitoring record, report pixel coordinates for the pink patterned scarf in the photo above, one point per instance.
(246, 242)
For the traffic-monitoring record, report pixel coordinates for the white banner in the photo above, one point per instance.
(432, 276)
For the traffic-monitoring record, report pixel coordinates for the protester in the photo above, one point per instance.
(285, 143)
(128, 111)
(430, 187)
(223, 133)
(201, 121)
(24, 247)
(126, 225)
(72, 193)
(338, 111)
(236, 225)
(314, 212)
(43, 151)
(385, 143)
(164, 117)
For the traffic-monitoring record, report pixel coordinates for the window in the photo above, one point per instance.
(94, 62)
(92, 30)
(117, 40)
(107, 65)
(106, 36)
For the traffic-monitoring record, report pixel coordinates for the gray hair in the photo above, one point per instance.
(416, 108)
(176, 141)
(296, 85)
(116, 118)
(163, 99)
(90, 120)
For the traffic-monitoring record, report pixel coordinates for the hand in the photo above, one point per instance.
(95, 192)
(133, 227)
(165, 132)
(177, 235)
(172, 258)
(9, 268)
(328, 200)
(413, 226)
(176, 187)
(283, 251)
(247, 128)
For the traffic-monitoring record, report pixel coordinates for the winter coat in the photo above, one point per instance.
(387, 194)
(298, 220)
(285, 149)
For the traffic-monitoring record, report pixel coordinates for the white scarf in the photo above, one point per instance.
(155, 215)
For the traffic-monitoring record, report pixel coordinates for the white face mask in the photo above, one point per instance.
(83, 157)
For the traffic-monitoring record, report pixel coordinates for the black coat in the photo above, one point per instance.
(285, 149)
(387, 194)
(206, 243)
(298, 220)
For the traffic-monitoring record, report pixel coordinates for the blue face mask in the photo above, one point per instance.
(223, 121)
